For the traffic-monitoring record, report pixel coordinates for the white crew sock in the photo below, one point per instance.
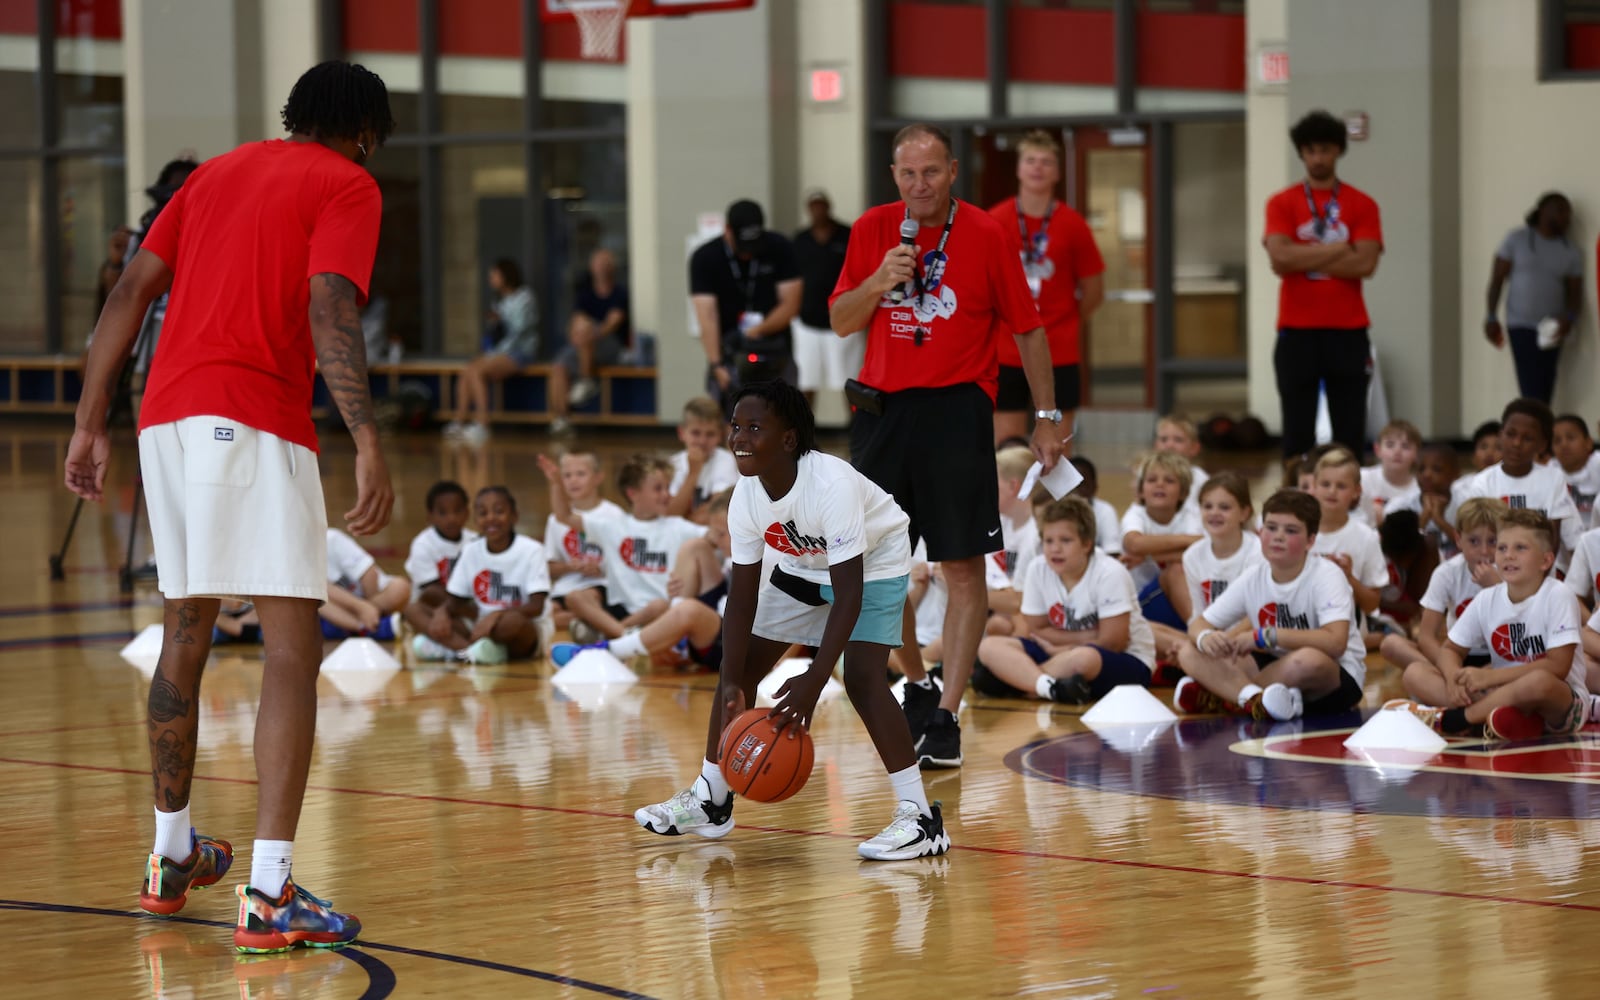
(629, 645)
(269, 866)
(711, 784)
(174, 835)
(1042, 686)
(907, 784)
(1247, 692)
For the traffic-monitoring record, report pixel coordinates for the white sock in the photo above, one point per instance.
(907, 783)
(269, 866)
(174, 835)
(629, 645)
(926, 683)
(1247, 692)
(1042, 686)
(711, 784)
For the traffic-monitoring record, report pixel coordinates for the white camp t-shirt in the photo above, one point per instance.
(1360, 543)
(1209, 576)
(432, 555)
(1583, 486)
(564, 543)
(720, 472)
(639, 555)
(1184, 522)
(1105, 591)
(1583, 576)
(1378, 495)
(1318, 596)
(830, 515)
(500, 580)
(1450, 590)
(1020, 543)
(1544, 489)
(1107, 527)
(1521, 633)
(1197, 479)
(348, 562)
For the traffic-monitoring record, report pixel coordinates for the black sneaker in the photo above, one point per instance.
(940, 745)
(1072, 690)
(919, 706)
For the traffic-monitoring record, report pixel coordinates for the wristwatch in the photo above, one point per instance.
(1054, 416)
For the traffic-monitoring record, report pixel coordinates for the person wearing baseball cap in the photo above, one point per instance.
(823, 359)
(745, 289)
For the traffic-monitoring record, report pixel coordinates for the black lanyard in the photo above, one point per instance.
(1319, 224)
(748, 279)
(1033, 248)
(938, 254)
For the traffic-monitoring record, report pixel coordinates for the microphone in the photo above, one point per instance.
(909, 229)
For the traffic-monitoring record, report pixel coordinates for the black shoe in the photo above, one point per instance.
(919, 705)
(940, 745)
(1072, 690)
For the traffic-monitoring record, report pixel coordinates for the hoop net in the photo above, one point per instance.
(600, 26)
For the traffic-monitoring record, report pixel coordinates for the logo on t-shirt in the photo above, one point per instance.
(444, 566)
(577, 547)
(1583, 501)
(1064, 618)
(1277, 615)
(1512, 642)
(1516, 501)
(637, 555)
(790, 540)
(1461, 608)
(1210, 590)
(489, 587)
(1005, 561)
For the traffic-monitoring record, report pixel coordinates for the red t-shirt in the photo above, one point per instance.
(981, 296)
(243, 237)
(1305, 300)
(1070, 254)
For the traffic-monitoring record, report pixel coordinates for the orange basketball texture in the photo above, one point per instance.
(761, 764)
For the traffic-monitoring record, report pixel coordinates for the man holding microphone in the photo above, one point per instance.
(934, 306)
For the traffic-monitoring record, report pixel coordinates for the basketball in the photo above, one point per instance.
(761, 764)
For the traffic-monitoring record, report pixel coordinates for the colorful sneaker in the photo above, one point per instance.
(167, 882)
(940, 745)
(1431, 716)
(1511, 723)
(1191, 698)
(1277, 703)
(485, 652)
(296, 918)
(919, 705)
(424, 648)
(1072, 690)
(687, 812)
(1166, 674)
(562, 653)
(385, 630)
(908, 835)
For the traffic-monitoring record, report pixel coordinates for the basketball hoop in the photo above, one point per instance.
(599, 26)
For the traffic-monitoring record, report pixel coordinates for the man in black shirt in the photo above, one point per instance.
(825, 359)
(745, 290)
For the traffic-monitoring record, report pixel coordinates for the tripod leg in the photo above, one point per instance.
(57, 572)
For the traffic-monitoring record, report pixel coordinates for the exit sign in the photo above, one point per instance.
(827, 86)
(1272, 66)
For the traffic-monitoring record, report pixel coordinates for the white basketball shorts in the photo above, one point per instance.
(825, 359)
(234, 511)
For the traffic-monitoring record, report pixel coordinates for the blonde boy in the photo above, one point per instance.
(1352, 546)
(703, 468)
(1178, 436)
(1395, 476)
(1155, 531)
(1020, 538)
(1453, 586)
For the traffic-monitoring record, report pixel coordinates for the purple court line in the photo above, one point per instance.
(1150, 866)
(74, 639)
(66, 608)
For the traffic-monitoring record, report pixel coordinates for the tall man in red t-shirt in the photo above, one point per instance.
(934, 312)
(1324, 238)
(1065, 274)
(267, 252)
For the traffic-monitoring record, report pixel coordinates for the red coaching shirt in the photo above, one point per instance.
(974, 298)
(243, 236)
(1070, 254)
(1308, 300)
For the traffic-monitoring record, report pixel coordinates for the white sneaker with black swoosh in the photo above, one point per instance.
(909, 835)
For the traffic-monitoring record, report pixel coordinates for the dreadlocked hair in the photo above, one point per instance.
(788, 404)
(339, 100)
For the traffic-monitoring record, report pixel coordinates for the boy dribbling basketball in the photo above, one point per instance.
(844, 557)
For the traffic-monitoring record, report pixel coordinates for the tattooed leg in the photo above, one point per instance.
(173, 708)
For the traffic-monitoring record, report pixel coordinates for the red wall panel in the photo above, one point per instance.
(1583, 45)
(1192, 51)
(1062, 46)
(380, 25)
(927, 39)
(74, 18)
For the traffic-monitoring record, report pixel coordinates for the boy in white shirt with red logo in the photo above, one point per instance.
(434, 551)
(1453, 586)
(1518, 479)
(576, 562)
(1395, 475)
(1352, 546)
(1532, 626)
(1212, 564)
(1281, 641)
(704, 467)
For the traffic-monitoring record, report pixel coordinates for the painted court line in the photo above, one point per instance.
(1150, 866)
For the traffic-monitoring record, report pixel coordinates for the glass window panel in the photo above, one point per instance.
(584, 208)
(397, 269)
(583, 114)
(22, 276)
(499, 111)
(19, 109)
(93, 205)
(483, 190)
(90, 109)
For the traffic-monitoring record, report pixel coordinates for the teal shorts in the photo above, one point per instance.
(783, 617)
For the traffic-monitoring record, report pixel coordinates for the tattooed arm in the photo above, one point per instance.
(342, 358)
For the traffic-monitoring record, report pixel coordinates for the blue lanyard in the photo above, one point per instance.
(1319, 224)
(1033, 248)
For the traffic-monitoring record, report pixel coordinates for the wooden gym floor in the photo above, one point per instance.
(480, 824)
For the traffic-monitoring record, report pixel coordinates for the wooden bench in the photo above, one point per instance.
(51, 384)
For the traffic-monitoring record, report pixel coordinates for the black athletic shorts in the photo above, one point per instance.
(1348, 696)
(1014, 394)
(933, 451)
